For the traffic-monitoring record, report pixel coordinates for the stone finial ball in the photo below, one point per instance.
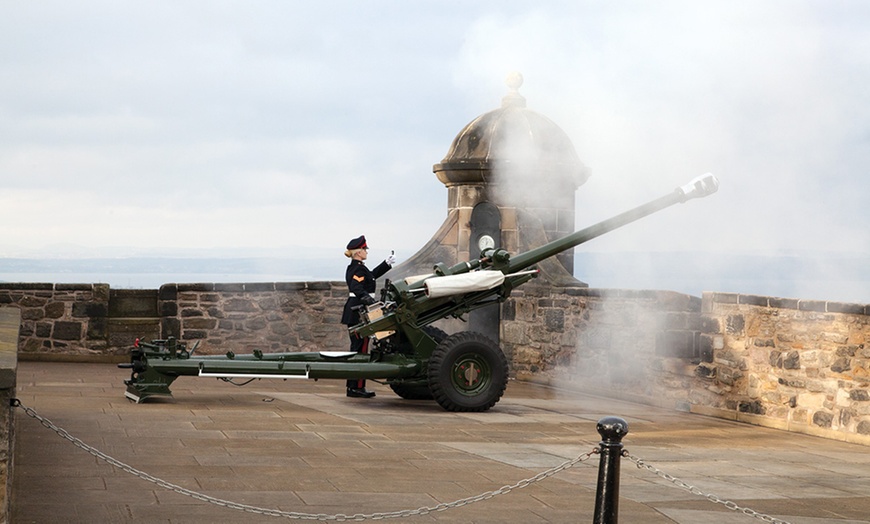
(514, 80)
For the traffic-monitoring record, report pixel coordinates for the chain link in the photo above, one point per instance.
(696, 491)
(292, 514)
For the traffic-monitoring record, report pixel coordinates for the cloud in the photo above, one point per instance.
(223, 123)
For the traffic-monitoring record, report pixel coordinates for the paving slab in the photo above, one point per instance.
(304, 447)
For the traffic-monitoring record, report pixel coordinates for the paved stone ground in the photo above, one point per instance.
(304, 447)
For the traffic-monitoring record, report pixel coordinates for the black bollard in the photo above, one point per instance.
(611, 429)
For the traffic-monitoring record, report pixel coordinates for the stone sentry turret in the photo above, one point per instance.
(511, 175)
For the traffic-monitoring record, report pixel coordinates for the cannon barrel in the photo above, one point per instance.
(446, 292)
(699, 187)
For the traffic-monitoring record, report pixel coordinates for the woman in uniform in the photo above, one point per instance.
(361, 286)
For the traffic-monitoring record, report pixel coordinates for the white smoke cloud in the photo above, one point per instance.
(768, 97)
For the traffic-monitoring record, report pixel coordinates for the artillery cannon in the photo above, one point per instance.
(464, 371)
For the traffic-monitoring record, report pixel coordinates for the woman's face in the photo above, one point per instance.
(362, 254)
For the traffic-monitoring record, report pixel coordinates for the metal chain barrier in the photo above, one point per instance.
(292, 514)
(696, 491)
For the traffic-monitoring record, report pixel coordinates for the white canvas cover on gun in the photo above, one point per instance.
(463, 283)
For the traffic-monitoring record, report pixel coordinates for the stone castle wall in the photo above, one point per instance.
(272, 317)
(634, 342)
(60, 319)
(10, 326)
(93, 322)
(797, 365)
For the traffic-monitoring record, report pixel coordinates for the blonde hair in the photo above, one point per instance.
(351, 252)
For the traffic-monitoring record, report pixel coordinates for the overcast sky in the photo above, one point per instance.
(228, 124)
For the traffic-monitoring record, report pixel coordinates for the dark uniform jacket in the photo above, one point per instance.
(360, 282)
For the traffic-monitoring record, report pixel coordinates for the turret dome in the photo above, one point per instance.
(511, 137)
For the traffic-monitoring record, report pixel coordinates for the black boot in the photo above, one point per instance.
(360, 393)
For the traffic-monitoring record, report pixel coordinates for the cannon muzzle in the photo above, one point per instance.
(704, 185)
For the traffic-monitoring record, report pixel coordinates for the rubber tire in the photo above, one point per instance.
(450, 364)
(419, 391)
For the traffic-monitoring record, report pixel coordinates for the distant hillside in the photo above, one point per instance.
(818, 276)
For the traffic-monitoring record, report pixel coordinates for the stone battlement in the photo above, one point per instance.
(798, 365)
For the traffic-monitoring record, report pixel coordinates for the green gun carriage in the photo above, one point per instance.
(465, 371)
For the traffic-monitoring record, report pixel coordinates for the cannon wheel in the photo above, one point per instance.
(419, 390)
(467, 372)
